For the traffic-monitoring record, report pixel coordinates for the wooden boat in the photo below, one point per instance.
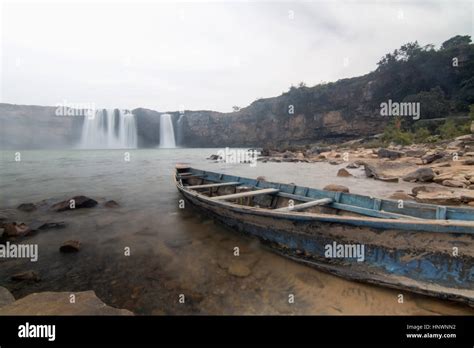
(423, 248)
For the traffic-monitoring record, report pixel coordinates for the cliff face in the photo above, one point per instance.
(333, 112)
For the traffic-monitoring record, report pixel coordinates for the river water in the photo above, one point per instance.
(175, 251)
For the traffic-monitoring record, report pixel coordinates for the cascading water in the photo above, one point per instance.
(166, 132)
(109, 129)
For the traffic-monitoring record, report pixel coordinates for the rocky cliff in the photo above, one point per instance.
(333, 112)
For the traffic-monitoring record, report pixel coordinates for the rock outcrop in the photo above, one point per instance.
(58, 303)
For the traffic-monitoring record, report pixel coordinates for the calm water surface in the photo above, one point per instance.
(175, 251)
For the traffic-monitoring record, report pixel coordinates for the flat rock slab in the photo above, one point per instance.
(58, 303)
(6, 297)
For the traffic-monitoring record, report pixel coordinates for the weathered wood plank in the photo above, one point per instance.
(245, 194)
(213, 185)
(306, 205)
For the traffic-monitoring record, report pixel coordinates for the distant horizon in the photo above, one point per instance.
(169, 56)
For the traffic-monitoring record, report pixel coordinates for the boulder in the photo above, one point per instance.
(58, 303)
(467, 197)
(316, 150)
(353, 165)
(415, 153)
(336, 162)
(70, 246)
(27, 207)
(289, 154)
(343, 172)
(79, 202)
(391, 154)
(261, 178)
(372, 172)
(420, 175)
(433, 157)
(14, 229)
(336, 188)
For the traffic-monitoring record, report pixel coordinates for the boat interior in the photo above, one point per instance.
(294, 198)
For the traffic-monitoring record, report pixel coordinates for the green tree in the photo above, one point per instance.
(456, 41)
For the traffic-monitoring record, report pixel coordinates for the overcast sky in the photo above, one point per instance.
(203, 55)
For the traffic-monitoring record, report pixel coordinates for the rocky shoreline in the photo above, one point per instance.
(444, 171)
(13, 233)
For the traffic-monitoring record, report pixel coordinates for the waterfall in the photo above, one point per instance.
(166, 132)
(109, 129)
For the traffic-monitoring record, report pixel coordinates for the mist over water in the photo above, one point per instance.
(109, 129)
(167, 139)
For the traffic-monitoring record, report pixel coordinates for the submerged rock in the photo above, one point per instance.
(41, 225)
(238, 269)
(70, 246)
(27, 207)
(28, 276)
(58, 303)
(336, 188)
(5, 297)
(214, 157)
(111, 204)
(76, 202)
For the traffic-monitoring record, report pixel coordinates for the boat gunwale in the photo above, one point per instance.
(397, 224)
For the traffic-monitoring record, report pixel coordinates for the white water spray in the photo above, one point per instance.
(109, 129)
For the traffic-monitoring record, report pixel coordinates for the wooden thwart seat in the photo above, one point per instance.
(213, 185)
(190, 175)
(246, 194)
(353, 208)
(306, 205)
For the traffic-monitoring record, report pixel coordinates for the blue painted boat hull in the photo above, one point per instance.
(420, 257)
